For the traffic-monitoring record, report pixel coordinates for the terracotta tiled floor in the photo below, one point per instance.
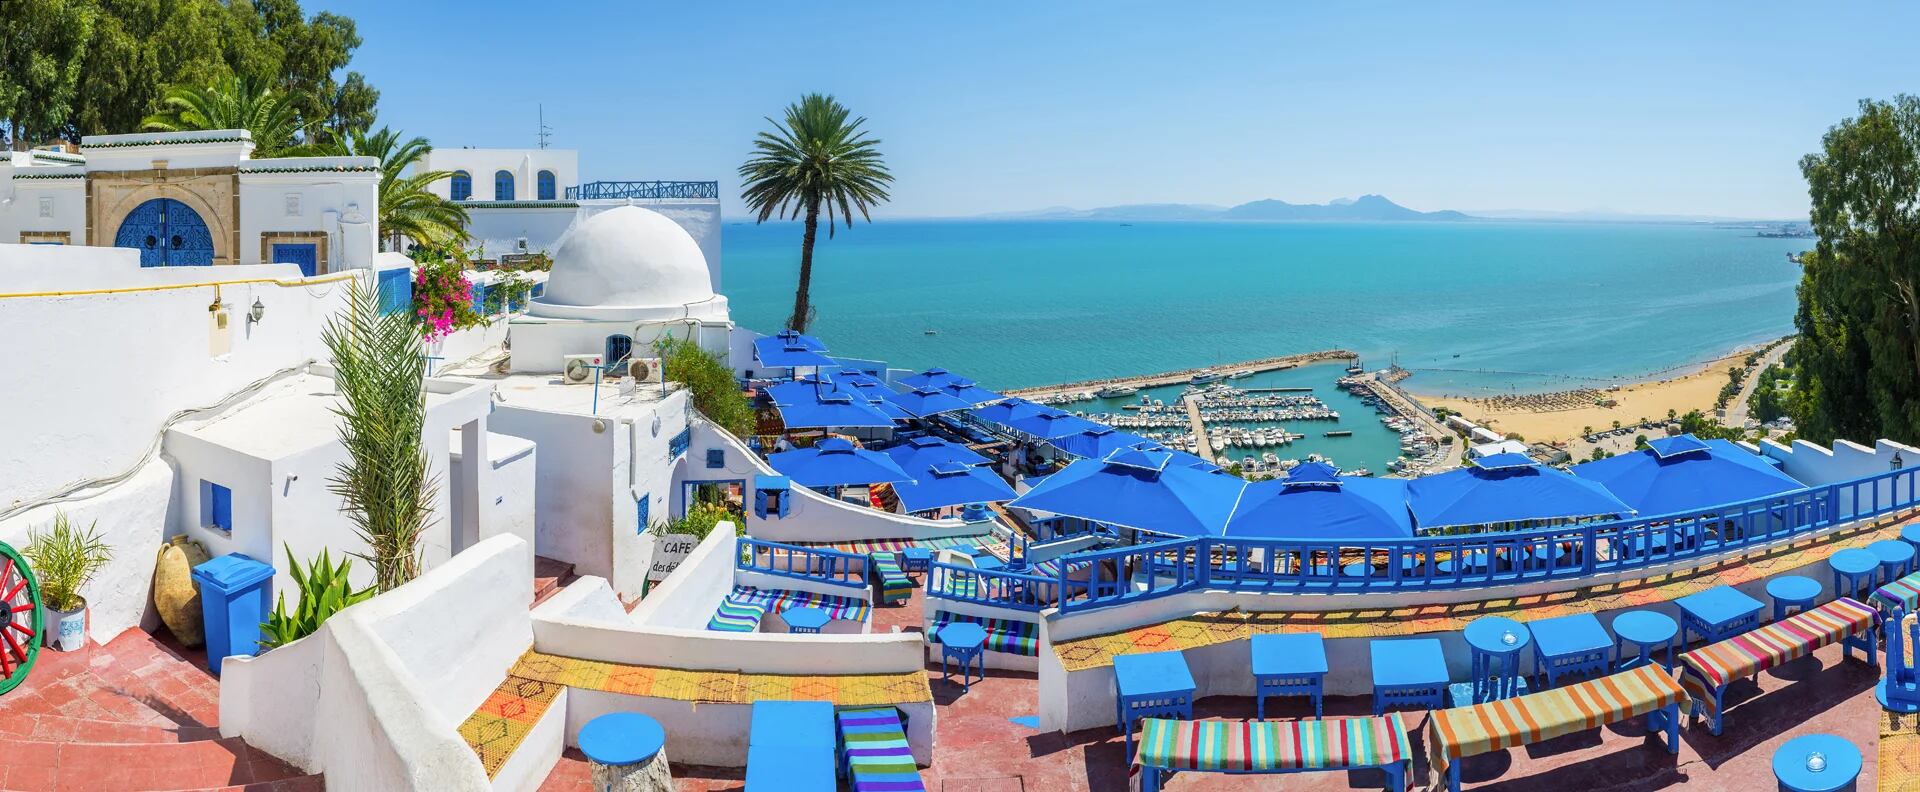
(133, 714)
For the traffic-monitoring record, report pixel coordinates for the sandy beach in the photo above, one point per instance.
(1561, 416)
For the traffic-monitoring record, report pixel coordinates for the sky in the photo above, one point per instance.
(1645, 107)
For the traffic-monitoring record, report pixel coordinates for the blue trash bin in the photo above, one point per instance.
(234, 591)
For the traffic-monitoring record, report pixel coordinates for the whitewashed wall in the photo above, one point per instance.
(524, 164)
(43, 204)
(342, 205)
(699, 216)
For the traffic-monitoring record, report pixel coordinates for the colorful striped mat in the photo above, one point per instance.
(1903, 593)
(1525, 720)
(870, 546)
(1003, 635)
(736, 616)
(1757, 650)
(779, 600)
(878, 757)
(1268, 746)
(895, 586)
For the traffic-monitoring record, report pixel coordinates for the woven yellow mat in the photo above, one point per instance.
(503, 720)
(1208, 629)
(1899, 753)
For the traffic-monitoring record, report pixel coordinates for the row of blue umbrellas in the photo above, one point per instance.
(927, 473)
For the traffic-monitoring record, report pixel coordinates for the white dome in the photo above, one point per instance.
(627, 257)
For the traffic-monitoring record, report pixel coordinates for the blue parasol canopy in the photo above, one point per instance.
(931, 378)
(1007, 410)
(922, 402)
(924, 451)
(1139, 488)
(965, 390)
(817, 402)
(1098, 443)
(1686, 474)
(1315, 502)
(782, 352)
(1049, 423)
(950, 484)
(794, 338)
(835, 463)
(875, 391)
(1506, 488)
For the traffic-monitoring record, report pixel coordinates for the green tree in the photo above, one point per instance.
(817, 158)
(407, 208)
(42, 46)
(1859, 314)
(384, 484)
(234, 104)
(715, 392)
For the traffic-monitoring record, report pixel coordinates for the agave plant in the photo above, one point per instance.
(324, 591)
(384, 484)
(64, 559)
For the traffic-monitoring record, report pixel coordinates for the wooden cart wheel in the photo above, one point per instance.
(21, 626)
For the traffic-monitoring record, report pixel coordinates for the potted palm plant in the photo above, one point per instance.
(64, 559)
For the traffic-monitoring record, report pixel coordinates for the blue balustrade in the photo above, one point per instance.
(644, 189)
(832, 567)
(998, 588)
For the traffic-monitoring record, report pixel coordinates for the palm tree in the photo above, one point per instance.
(407, 208)
(384, 485)
(234, 104)
(816, 157)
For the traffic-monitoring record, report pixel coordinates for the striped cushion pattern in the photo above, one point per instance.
(736, 616)
(1268, 746)
(1003, 635)
(780, 600)
(878, 758)
(1752, 652)
(1903, 593)
(1524, 720)
(894, 583)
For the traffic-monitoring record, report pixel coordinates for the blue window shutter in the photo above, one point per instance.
(503, 186)
(462, 187)
(640, 510)
(220, 507)
(545, 186)
(716, 458)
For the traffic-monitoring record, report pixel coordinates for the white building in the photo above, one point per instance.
(194, 198)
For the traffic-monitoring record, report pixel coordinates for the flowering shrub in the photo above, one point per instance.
(442, 299)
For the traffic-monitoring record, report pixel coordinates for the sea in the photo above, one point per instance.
(1473, 307)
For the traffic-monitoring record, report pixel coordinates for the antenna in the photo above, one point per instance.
(545, 131)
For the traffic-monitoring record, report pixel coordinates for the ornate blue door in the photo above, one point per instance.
(167, 233)
(306, 254)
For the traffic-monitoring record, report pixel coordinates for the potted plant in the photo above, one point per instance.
(65, 559)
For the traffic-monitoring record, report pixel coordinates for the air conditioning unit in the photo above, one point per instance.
(578, 369)
(644, 369)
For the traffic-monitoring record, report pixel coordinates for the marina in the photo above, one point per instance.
(1049, 394)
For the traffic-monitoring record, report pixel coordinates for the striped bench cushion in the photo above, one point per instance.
(1525, 720)
(895, 586)
(736, 616)
(1752, 652)
(1903, 593)
(780, 600)
(1003, 635)
(878, 758)
(1272, 746)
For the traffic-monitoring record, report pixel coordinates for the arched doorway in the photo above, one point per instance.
(167, 233)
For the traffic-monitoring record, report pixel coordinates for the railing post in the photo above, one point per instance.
(1203, 558)
(1590, 546)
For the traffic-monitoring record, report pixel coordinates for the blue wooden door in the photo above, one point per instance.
(545, 186)
(462, 187)
(305, 254)
(167, 233)
(503, 186)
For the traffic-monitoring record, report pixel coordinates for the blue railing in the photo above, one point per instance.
(998, 588)
(832, 567)
(644, 189)
(1112, 577)
(395, 290)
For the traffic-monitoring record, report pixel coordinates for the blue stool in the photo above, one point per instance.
(1408, 672)
(804, 620)
(964, 642)
(1896, 558)
(1288, 664)
(916, 559)
(1152, 685)
(1816, 763)
(1644, 629)
(621, 744)
(1792, 591)
(1572, 644)
(1911, 535)
(1853, 569)
(1496, 643)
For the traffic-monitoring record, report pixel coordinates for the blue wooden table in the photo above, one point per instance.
(1408, 672)
(1288, 664)
(1816, 763)
(1646, 630)
(1896, 559)
(1853, 569)
(1152, 685)
(1717, 614)
(1496, 643)
(1792, 591)
(1911, 535)
(1574, 644)
(964, 642)
(804, 620)
(916, 559)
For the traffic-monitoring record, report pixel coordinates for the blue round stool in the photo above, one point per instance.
(621, 748)
(1896, 558)
(1852, 568)
(1644, 629)
(1816, 763)
(1911, 535)
(1496, 643)
(1792, 591)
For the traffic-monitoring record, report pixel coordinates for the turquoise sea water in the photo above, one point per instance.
(1471, 307)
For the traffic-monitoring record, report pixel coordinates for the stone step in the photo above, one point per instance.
(549, 577)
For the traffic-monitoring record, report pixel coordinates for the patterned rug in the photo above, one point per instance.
(503, 720)
(1899, 753)
(1207, 629)
(870, 546)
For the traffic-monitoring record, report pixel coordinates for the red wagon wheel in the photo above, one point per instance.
(21, 627)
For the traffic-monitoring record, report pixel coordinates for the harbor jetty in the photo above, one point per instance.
(1181, 377)
(1201, 445)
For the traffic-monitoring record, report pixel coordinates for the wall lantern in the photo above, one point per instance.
(257, 313)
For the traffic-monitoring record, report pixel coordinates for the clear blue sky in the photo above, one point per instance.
(1644, 107)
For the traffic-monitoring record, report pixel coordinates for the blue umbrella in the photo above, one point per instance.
(963, 389)
(1687, 474)
(835, 463)
(921, 402)
(1142, 489)
(1050, 423)
(1506, 488)
(777, 352)
(951, 484)
(875, 391)
(1314, 502)
(793, 338)
(931, 378)
(816, 403)
(1097, 443)
(1006, 410)
(921, 452)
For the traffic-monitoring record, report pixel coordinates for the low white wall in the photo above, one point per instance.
(688, 597)
(132, 518)
(1844, 461)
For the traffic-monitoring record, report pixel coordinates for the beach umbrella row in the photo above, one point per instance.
(834, 462)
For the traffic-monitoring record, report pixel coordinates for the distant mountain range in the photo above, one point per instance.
(1363, 208)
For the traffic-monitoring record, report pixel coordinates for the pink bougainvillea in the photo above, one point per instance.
(442, 298)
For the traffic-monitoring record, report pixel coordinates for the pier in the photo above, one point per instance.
(1202, 446)
(1179, 377)
(1278, 390)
